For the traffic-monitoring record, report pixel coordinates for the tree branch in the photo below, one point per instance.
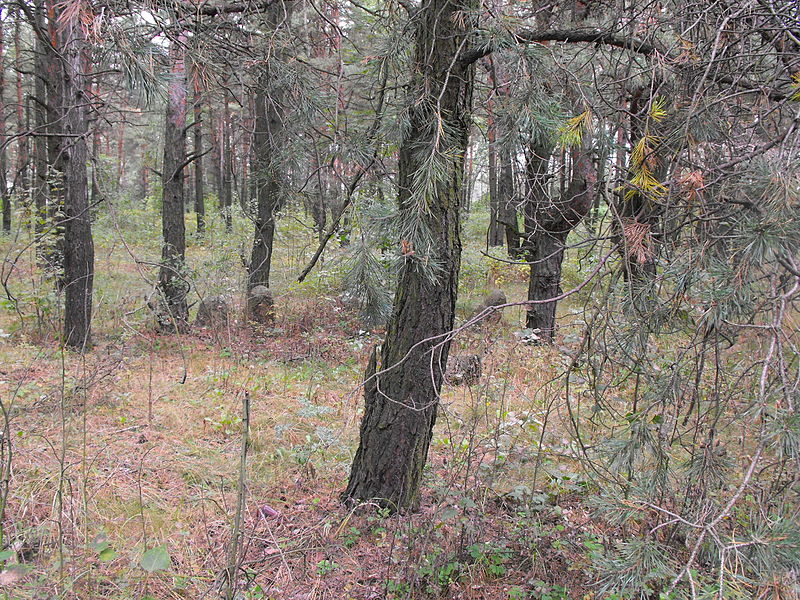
(589, 36)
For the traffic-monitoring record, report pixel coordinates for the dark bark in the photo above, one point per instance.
(267, 179)
(548, 223)
(40, 166)
(78, 244)
(507, 209)
(199, 191)
(503, 217)
(171, 281)
(401, 400)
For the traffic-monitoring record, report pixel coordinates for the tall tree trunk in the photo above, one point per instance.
(495, 237)
(216, 155)
(52, 254)
(199, 192)
(40, 142)
(21, 183)
(401, 400)
(121, 155)
(247, 141)
(4, 194)
(267, 179)
(96, 167)
(227, 160)
(507, 209)
(548, 223)
(503, 219)
(171, 282)
(78, 244)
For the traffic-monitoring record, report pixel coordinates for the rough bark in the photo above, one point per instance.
(267, 179)
(171, 282)
(401, 400)
(40, 142)
(78, 244)
(548, 223)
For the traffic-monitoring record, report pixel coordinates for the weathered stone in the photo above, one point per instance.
(212, 312)
(496, 297)
(261, 306)
(464, 369)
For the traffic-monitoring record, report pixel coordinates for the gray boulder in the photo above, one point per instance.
(463, 369)
(261, 306)
(212, 312)
(496, 297)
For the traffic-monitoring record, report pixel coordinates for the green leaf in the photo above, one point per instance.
(155, 559)
(108, 554)
(5, 555)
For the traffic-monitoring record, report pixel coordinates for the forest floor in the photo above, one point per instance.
(126, 461)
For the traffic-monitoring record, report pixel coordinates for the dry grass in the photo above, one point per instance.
(136, 445)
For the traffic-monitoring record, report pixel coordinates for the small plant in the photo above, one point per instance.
(326, 567)
(398, 589)
(546, 591)
(351, 537)
(225, 421)
(440, 573)
(492, 559)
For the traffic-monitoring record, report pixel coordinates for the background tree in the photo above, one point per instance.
(172, 282)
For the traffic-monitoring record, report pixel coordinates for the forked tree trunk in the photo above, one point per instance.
(401, 399)
(78, 244)
(171, 279)
(548, 223)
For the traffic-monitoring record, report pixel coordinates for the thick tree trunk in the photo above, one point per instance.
(199, 191)
(267, 179)
(171, 280)
(78, 244)
(548, 224)
(545, 282)
(401, 400)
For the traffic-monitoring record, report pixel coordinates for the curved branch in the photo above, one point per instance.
(589, 36)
